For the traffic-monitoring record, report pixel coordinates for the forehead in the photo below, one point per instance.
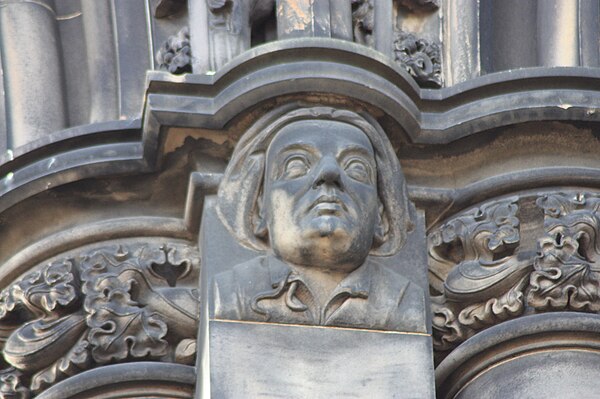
(324, 136)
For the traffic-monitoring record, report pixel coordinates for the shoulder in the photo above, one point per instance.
(407, 300)
(249, 272)
(386, 278)
(232, 290)
(395, 282)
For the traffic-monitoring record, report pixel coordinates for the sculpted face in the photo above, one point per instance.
(320, 200)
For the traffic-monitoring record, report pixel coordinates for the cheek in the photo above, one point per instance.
(281, 204)
(291, 189)
(284, 232)
(281, 225)
(365, 197)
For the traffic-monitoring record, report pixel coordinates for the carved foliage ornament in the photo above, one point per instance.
(490, 280)
(421, 58)
(567, 269)
(110, 304)
(478, 248)
(174, 55)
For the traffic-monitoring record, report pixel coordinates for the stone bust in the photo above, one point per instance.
(319, 190)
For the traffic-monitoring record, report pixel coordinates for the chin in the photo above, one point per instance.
(328, 227)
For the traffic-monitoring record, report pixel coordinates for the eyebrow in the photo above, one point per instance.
(298, 146)
(357, 149)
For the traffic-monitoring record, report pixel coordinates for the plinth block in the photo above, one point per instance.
(268, 360)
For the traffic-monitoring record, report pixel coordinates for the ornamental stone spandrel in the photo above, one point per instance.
(115, 302)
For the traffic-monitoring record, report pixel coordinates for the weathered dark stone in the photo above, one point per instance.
(303, 361)
(121, 123)
(548, 355)
(325, 203)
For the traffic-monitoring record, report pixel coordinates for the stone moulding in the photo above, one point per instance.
(159, 380)
(517, 340)
(428, 116)
(276, 70)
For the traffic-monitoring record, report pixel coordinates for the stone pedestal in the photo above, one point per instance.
(268, 360)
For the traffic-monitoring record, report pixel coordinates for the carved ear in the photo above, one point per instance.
(259, 221)
(382, 228)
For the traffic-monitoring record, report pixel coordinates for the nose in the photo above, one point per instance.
(329, 173)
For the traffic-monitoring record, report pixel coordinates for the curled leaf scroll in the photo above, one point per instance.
(489, 280)
(111, 303)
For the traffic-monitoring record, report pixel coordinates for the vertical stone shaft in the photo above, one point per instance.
(341, 19)
(33, 78)
(384, 27)
(558, 32)
(589, 31)
(100, 45)
(218, 33)
(461, 41)
(314, 18)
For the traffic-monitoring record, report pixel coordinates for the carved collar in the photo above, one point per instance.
(356, 284)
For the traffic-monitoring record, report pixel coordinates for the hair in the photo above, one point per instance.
(242, 183)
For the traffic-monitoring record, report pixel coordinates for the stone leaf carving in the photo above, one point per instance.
(476, 248)
(452, 325)
(175, 54)
(567, 273)
(42, 292)
(486, 280)
(77, 359)
(421, 58)
(11, 385)
(109, 304)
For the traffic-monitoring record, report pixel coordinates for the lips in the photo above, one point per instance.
(328, 205)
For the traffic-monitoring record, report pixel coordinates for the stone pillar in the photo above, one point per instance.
(558, 33)
(32, 66)
(383, 30)
(100, 43)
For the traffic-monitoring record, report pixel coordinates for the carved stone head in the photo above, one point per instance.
(316, 186)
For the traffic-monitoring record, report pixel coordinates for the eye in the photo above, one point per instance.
(295, 166)
(358, 170)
